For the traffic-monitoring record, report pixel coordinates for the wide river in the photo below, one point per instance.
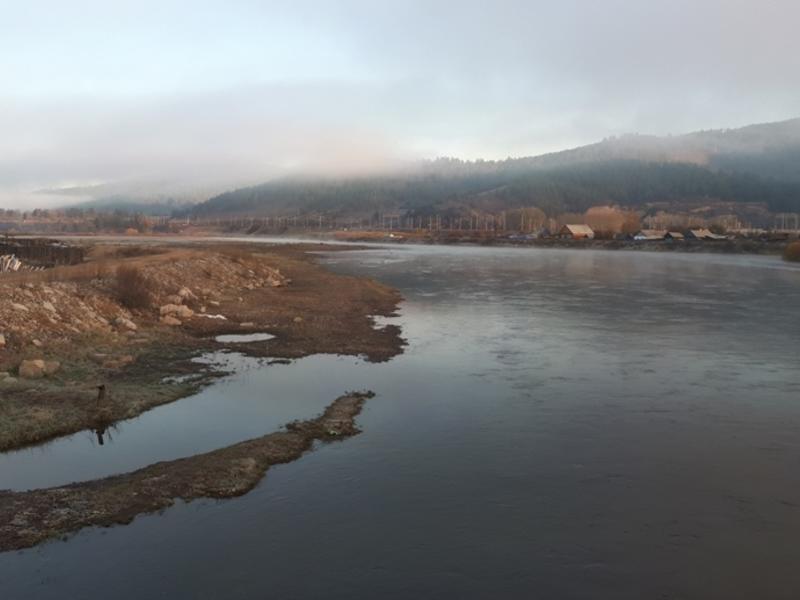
(563, 424)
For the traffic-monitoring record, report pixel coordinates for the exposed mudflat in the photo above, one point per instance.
(28, 518)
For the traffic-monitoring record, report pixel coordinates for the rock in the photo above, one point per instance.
(213, 303)
(2, 341)
(174, 299)
(298, 319)
(31, 369)
(37, 343)
(19, 307)
(168, 309)
(186, 294)
(49, 306)
(178, 310)
(247, 324)
(118, 363)
(9, 380)
(124, 323)
(168, 320)
(51, 367)
(184, 312)
(4, 375)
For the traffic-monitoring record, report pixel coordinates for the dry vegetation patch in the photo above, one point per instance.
(792, 252)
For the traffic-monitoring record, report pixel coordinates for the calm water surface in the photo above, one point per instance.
(564, 424)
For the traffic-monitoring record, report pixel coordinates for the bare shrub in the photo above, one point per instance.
(792, 252)
(134, 289)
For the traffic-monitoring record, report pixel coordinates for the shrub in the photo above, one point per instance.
(133, 288)
(792, 252)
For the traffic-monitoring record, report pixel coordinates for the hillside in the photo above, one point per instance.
(755, 164)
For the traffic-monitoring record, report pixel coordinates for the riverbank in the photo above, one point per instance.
(69, 330)
(29, 518)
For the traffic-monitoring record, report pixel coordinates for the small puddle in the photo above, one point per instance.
(243, 338)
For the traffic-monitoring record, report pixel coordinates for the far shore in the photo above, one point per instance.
(775, 245)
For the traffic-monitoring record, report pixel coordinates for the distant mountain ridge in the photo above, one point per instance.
(713, 148)
(753, 164)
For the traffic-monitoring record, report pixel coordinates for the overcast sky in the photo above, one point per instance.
(236, 91)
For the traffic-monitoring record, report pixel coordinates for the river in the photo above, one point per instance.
(563, 424)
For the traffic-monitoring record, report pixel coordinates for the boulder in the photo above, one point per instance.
(32, 369)
(168, 320)
(51, 367)
(186, 294)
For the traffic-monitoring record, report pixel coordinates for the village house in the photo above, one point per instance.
(650, 235)
(674, 235)
(704, 235)
(576, 232)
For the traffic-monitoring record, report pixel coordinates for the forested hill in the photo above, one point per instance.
(760, 163)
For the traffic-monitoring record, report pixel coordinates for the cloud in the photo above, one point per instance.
(234, 93)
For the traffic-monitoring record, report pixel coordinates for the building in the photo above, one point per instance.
(704, 235)
(650, 235)
(674, 235)
(576, 232)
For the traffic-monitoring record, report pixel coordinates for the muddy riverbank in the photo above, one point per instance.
(74, 318)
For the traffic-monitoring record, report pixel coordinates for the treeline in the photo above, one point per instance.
(456, 187)
(80, 220)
